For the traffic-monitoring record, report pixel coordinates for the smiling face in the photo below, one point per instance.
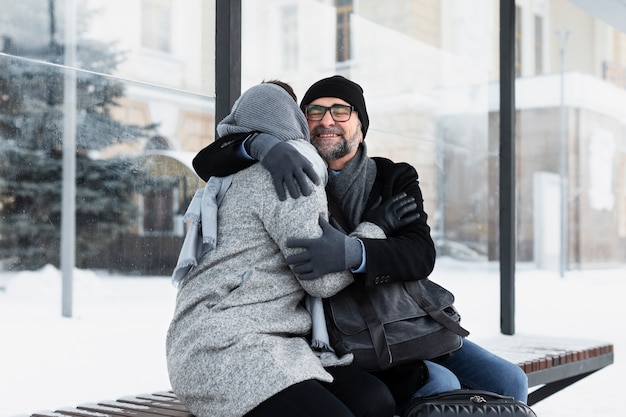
(336, 142)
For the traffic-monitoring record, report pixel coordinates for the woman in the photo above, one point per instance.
(237, 344)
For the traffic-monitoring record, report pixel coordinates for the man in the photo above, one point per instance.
(366, 189)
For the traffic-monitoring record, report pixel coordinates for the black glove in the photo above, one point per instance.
(287, 166)
(331, 252)
(395, 213)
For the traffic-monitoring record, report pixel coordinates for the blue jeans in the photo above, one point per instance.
(475, 367)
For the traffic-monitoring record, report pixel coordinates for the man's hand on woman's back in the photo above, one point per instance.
(288, 167)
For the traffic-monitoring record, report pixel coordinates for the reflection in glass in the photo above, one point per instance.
(134, 144)
(425, 69)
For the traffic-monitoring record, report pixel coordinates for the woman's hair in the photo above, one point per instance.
(285, 86)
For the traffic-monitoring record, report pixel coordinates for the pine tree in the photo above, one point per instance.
(31, 142)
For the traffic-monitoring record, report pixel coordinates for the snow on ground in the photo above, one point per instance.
(113, 345)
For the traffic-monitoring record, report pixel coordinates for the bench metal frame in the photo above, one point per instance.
(556, 378)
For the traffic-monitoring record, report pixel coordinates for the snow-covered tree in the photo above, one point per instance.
(31, 140)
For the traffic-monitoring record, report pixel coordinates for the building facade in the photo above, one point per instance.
(430, 71)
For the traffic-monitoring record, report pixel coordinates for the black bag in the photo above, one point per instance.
(394, 323)
(467, 403)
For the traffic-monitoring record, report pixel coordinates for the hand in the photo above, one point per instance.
(288, 167)
(395, 213)
(331, 252)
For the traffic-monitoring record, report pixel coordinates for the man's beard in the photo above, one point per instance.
(336, 151)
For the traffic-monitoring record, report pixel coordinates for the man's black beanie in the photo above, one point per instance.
(340, 87)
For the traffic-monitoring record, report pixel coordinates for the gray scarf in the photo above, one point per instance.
(201, 217)
(352, 187)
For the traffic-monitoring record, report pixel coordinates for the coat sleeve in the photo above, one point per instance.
(221, 158)
(299, 218)
(408, 254)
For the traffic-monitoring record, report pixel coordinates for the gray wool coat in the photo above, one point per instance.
(238, 332)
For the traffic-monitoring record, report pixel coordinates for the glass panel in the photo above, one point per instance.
(134, 119)
(570, 145)
(164, 42)
(425, 68)
(133, 175)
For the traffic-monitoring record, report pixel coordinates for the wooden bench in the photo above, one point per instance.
(158, 404)
(551, 365)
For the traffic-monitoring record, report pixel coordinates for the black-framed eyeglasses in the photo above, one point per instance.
(338, 112)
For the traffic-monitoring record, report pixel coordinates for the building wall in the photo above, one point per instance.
(597, 185)
(597, 189)
(418, 19)
(424, 68)
(176, 88)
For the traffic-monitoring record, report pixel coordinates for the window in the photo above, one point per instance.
(156, 25)
(518, 41)
(538, 45)
(344, 9)
(622, 199)
(289, 23)
(158, 213)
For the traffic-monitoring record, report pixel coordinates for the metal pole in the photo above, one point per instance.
(227, 56)
(563, 35)
(507, 167)
(68, 203)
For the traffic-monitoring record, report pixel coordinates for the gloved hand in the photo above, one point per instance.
(395, 213)
(288, 167)
(331, 252)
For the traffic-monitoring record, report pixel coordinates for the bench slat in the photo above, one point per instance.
(181, 411)
(116, 411)
(74, 412)
(172, 404)
(47, 414)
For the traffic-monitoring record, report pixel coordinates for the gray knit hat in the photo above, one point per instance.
(343, 88)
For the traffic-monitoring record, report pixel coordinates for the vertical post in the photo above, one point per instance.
(227, 56)
(68, 203)
(53, 27)
(563, 35)
(507, 167)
